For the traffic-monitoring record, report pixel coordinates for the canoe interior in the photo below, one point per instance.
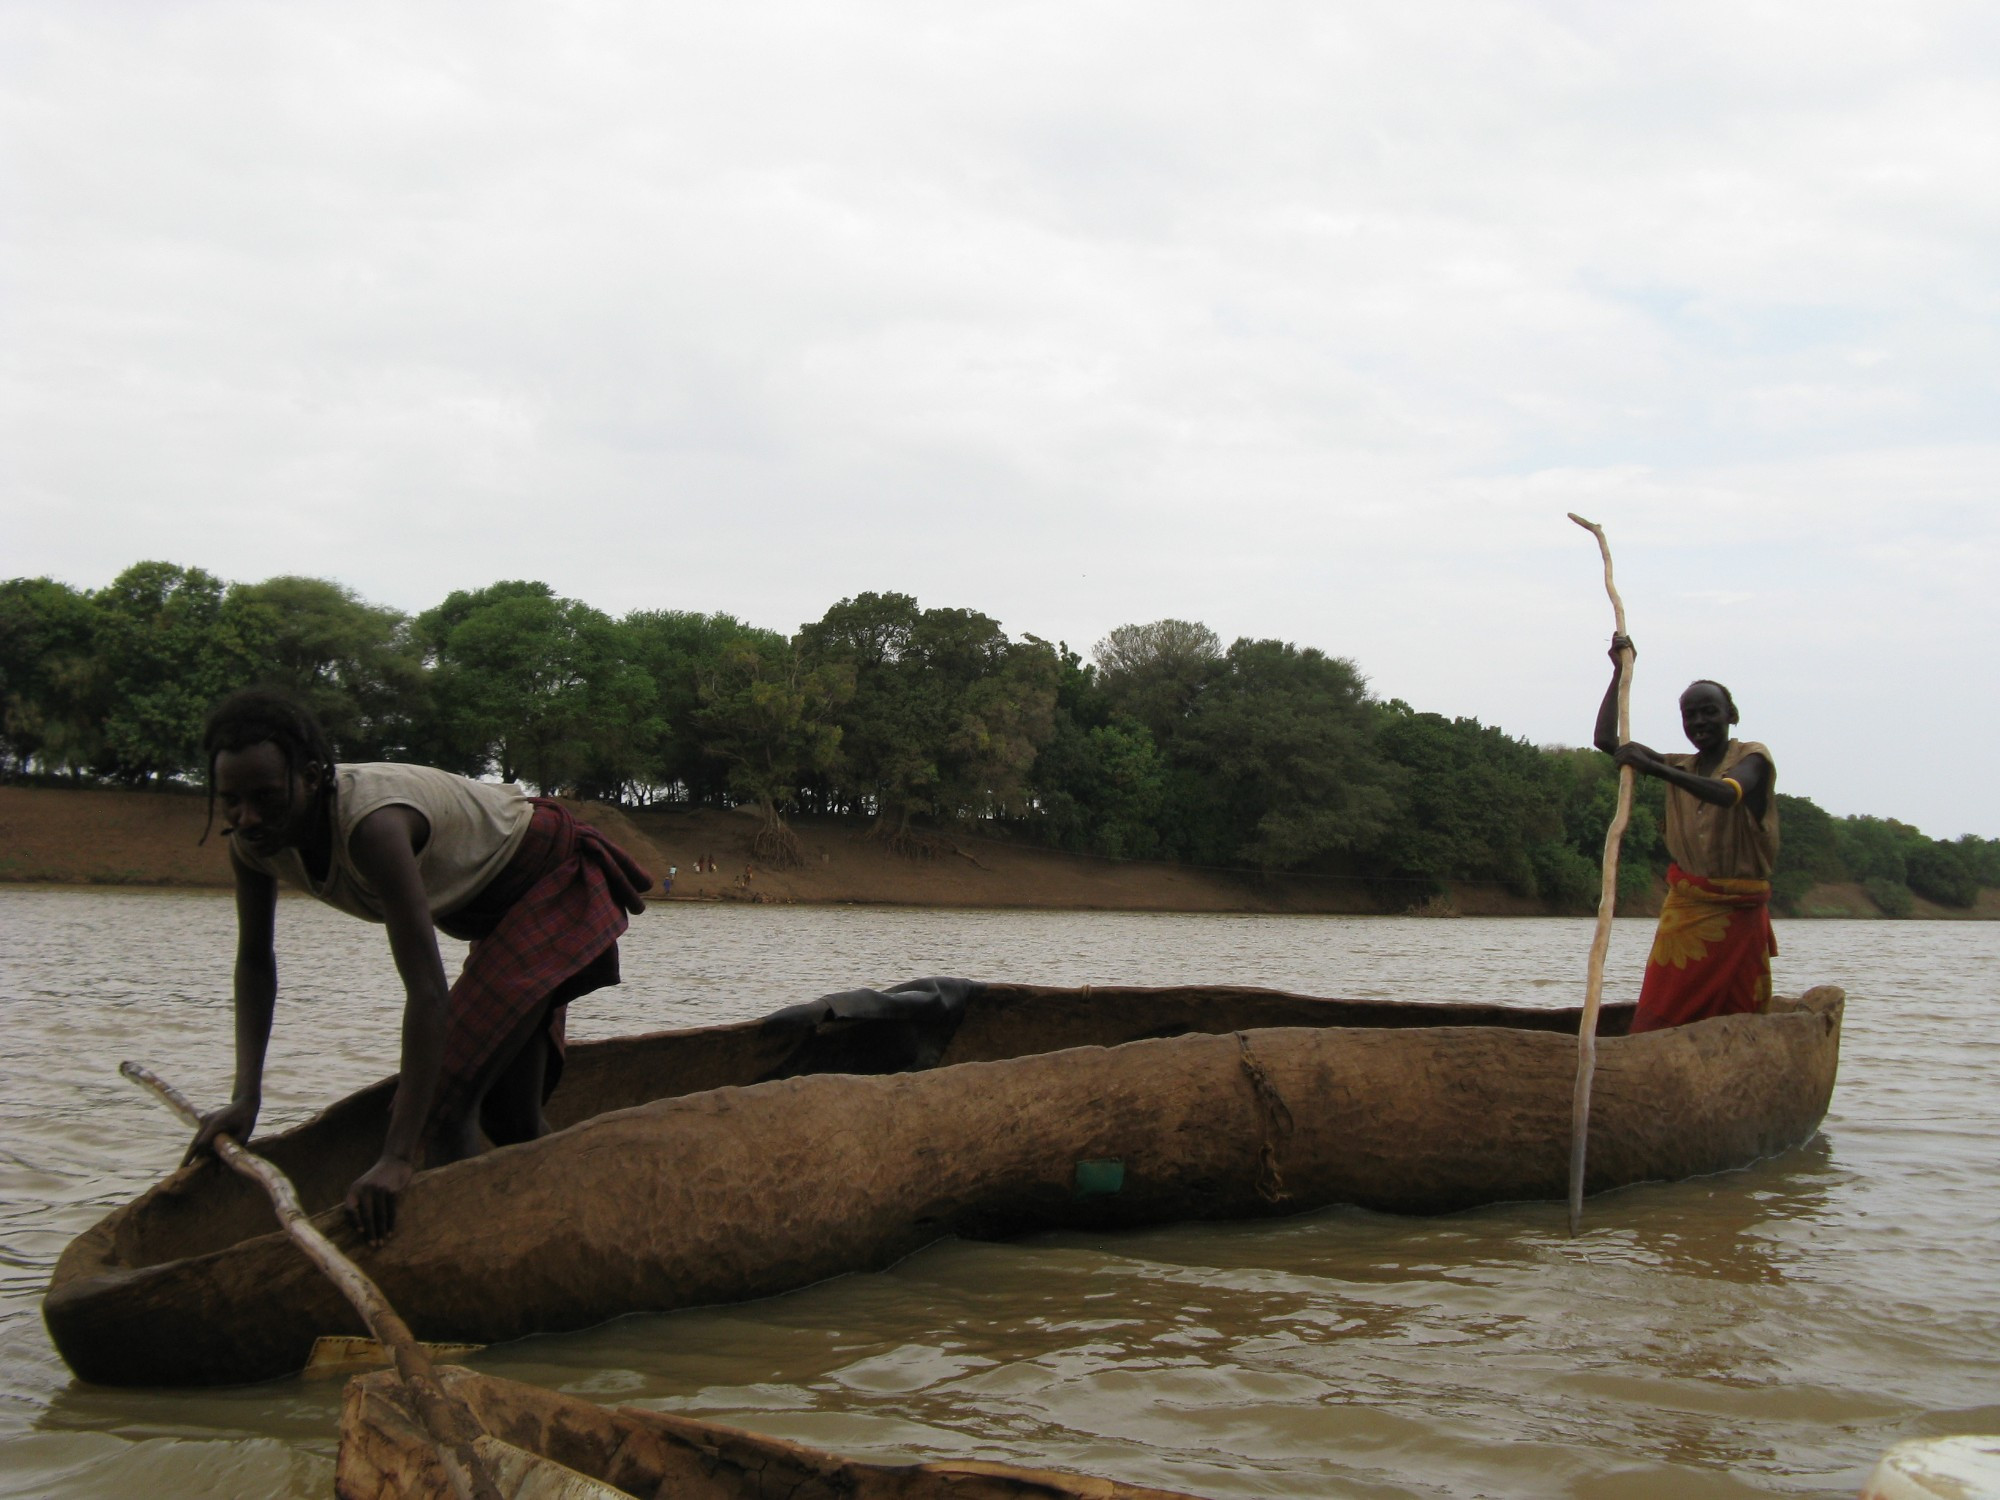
(207, 1208)
(383, 1455)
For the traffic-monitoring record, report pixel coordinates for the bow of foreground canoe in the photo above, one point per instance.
(385, 1456)
(725, 1163)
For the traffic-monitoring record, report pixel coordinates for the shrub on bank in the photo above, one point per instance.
(1892, 896)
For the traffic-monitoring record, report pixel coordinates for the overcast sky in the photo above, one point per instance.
(1306, 321)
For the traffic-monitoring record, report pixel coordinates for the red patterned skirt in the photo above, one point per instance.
(1712, 953)
(544, 932)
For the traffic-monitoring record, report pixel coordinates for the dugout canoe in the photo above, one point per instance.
(384, 1454)
(731, 1162)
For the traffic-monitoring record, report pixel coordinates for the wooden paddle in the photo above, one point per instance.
(1607, 903)
(470, 1455)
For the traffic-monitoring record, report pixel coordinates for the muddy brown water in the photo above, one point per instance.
(1766, 1331)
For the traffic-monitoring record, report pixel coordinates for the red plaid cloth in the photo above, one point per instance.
(544, 932)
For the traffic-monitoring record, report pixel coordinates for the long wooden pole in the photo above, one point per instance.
(452, 1428)
(1607, 904)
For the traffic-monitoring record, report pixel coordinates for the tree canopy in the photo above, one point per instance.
(767, 713)
(921, 719)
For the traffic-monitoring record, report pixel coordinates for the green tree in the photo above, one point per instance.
(1004, 715)
(1892, 861)
(47, 632)
(1808, 851)
(354, 664)
(946, 714)
(1474, 803)
(1983, 856)
(1875, 851)
(1156, 674)
(677, 649)
(893, 723)
(1101, 790)
(1587, 792)
(535, 687)
(1875, 848)
(1284, 737)
(1098, 781)
(1569, 879)
(770, 718)
(1893, 897)
(168, 643)
(1943, 873)
(621, 712)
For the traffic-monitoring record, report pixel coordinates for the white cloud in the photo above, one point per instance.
(1301, 320)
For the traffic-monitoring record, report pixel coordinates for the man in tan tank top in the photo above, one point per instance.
(1712, 953)
(541, 897)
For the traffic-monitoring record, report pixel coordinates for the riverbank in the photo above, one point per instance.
(104, 837)
(842, 865)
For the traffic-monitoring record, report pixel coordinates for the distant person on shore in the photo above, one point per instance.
(1712, 953)
(542, 898)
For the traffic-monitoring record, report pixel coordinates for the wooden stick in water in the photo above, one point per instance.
(451, 1426)
(1607, 903)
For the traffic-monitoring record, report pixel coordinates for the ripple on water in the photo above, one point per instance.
(1761, 1332)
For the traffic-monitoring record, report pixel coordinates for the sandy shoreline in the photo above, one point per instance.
(98, 837)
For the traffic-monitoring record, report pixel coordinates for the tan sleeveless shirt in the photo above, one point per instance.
(475, 828)
(1723, 843)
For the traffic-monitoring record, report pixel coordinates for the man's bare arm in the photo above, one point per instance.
(1606, 737)
(256, 1000)
(383, 849)
(1752, 773)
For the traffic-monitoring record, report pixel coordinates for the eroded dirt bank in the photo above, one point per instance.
(99, 837)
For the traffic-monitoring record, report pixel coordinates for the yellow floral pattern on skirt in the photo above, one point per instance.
(1687, 931)
(1693, 919)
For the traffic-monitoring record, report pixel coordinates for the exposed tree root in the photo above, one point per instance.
(777, 846)
(1440, 905)
(901, 839)
(912, 845)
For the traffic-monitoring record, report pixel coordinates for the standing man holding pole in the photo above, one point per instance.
(1712, 953)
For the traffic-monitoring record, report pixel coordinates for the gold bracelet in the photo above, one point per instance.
(1732, 781)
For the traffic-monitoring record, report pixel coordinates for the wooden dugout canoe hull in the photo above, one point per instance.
(685, 1181)
(385, 1456)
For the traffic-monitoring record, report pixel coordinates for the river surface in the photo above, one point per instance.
(1763, 1332)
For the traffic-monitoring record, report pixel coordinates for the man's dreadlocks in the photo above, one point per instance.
(255, 716)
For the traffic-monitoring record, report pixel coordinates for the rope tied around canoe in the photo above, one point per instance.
(1276, 1116)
